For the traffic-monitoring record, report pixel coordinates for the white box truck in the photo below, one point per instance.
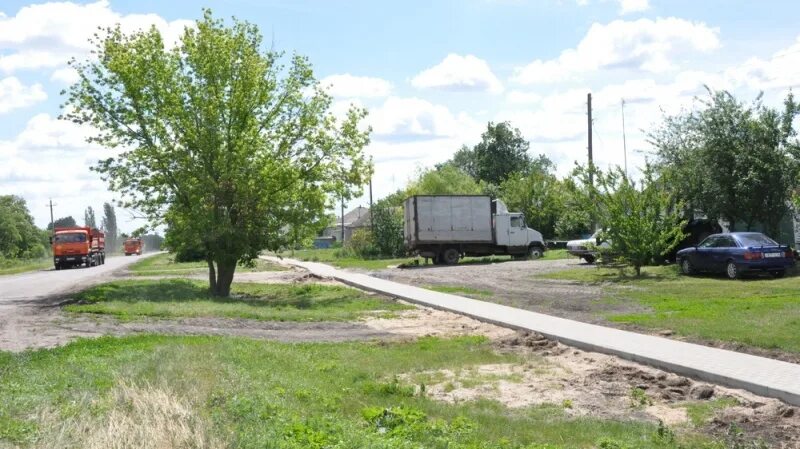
(445, 228)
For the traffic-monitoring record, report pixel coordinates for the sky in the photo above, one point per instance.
(431, 73)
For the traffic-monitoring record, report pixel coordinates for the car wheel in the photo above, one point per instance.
(589, 259)
(535, 252)
(731, 270)
(686, 267)
(777, 274)
(450, 256)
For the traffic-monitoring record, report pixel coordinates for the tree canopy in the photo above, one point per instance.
(501, 152)
(63, 222)
(218, 139)
(730, 160)
(19, 237)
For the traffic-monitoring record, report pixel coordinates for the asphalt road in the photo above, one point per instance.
(27, 316)
(44, 283)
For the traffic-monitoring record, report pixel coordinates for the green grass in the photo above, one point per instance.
(253, 394)
(760, 312)
(455, 289)
(164, 264)
(701, 413)
(174, 298)
(556, 254)
(15, 266)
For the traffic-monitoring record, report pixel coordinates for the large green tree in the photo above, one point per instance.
(501, 152)
(63, 222)
(731, 160)
(218, 139)
(19, 237)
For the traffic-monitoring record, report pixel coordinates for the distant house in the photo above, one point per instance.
(357, 218)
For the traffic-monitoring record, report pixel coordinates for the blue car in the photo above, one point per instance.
(736, 253)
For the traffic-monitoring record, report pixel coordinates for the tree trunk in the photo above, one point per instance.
(212, 276)
(638, 269)
(225, 272)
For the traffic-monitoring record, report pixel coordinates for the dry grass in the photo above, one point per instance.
(139, 418)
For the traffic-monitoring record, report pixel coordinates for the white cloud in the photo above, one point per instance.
(781, 70)
(65, 75)
(49, 34)
(459, 73)
(44, 132)
(631, 6)
(521, 97)
(416, 119)
(349, 86)
(641, 45)
(15, 95)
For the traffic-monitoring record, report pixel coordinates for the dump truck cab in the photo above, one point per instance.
(133, 246)
(75, 246)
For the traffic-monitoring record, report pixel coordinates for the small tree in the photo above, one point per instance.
(641, 222)
(387, 225)
(109, 225)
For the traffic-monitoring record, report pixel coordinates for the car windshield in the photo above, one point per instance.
(73, 237)
(756, 240)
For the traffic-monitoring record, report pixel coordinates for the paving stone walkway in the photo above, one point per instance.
(759, 375)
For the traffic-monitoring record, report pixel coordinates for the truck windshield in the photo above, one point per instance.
(75, 237)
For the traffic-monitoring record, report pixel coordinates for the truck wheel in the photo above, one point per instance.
(58, 267)
(535, 252)
(450, 256)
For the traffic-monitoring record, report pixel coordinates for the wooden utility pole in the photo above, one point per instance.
(371, 220)
(624, 141)
(589, 129)
(342, 220)
(52, 222)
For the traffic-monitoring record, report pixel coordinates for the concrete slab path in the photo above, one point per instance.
(759, 375)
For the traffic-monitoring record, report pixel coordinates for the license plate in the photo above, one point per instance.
(773, 254)
(70, 258)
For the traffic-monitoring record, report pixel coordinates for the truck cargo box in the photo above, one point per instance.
(447, 218)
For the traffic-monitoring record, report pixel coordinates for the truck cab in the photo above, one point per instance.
(133, 246)
(512, 232)
(73, 246)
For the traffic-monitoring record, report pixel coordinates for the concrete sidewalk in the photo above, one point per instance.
(759, 375)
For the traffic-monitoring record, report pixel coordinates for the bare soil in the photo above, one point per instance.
(515, 284)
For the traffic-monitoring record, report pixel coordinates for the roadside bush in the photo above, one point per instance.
(361, 244)
(388, 228)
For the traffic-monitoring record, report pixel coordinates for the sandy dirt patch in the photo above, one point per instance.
(599, 385)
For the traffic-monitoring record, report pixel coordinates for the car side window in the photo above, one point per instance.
(708, 243)
(727, 242)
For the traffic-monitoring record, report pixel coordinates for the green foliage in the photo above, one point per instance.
(387, 224)
(362, 244)
(109, 225)
(641, 222)
(501, 152)
(19, 237)
(732, 161)
(63, 222)
(537, 193)
(232, 150)
(89, 218)
(445, 180)
(576, 214)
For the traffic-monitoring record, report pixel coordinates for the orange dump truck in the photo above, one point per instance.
(75, 246)
(133, 246)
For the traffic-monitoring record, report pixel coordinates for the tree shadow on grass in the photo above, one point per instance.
(186, 291)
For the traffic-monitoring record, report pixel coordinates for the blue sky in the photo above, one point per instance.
(432, 73)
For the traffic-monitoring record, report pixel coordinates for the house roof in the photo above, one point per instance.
(353, 216)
